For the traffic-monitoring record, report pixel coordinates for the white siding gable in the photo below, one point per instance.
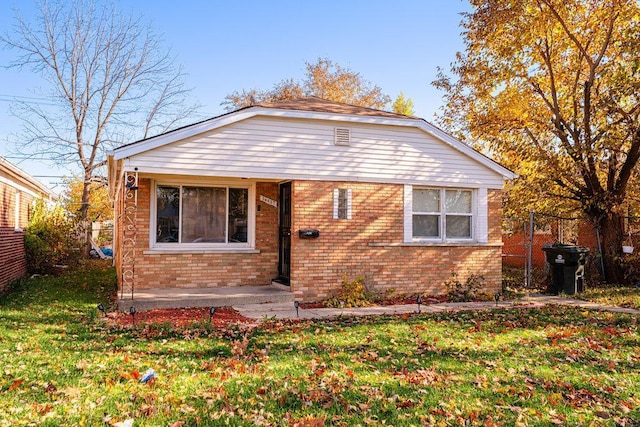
(264, 147)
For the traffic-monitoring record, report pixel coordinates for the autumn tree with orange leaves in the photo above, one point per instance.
(324, 79)
(552, 89)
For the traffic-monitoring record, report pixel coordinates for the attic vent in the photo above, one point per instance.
(342, 136)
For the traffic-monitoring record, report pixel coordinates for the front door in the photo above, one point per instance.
(284, 240)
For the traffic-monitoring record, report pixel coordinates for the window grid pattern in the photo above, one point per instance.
(442, 214)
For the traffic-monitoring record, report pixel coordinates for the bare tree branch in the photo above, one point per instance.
(106, 71)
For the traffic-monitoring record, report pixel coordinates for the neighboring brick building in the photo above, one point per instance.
(302, 192)
(18, 190)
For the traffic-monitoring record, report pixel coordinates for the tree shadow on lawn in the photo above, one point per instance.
(558, 337)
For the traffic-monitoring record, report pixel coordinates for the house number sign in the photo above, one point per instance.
(269, 201)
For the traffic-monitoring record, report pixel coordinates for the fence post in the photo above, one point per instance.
(530, 253)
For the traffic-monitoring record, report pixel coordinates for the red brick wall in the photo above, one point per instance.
(7, 205)
(186, 270)
(344, 246)
(12, 256)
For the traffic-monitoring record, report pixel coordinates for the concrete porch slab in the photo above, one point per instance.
(149, 299)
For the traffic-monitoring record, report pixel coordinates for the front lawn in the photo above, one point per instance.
(63, 364)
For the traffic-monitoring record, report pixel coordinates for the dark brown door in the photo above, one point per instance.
(284, 240)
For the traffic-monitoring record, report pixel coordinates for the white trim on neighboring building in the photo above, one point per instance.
(26, 179)
(16, 211)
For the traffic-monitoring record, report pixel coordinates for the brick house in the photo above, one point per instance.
(301, 192)
(18, 190)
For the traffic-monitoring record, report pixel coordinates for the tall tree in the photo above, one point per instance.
(108, 77)
(99, 203)
(403, 105)
(552, 88)
(324, 79)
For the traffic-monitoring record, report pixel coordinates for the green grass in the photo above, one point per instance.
(62, 364)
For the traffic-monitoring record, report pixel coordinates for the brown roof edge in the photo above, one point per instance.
(320, 105)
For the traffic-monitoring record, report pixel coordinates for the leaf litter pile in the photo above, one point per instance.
(179, 317)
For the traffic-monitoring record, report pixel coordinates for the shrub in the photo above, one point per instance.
(631, 266)
(49, 239)
(463, 292)
(352, 294)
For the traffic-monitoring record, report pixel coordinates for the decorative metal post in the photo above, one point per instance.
(129, 230)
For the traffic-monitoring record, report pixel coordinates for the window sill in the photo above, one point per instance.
(164, 251)
(18, 230)
(437, 244)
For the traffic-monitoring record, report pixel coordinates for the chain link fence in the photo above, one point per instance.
(524, 262)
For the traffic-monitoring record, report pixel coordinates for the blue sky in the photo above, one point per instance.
(230, 45)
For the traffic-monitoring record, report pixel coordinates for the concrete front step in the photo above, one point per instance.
(150, 299)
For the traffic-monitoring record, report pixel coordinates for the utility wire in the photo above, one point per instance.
(26, 99)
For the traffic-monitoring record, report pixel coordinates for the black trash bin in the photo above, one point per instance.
(567, 267)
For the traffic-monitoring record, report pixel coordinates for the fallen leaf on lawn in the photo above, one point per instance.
(364, 406)
(15, 384)
(489, 422)
(405, 404)
(43, 409)
(240, 347)
(624, 407)
(309, 422)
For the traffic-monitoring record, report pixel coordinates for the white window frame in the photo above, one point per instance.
(16, 212)
(336, 202)
(442, 216)
(178, 246)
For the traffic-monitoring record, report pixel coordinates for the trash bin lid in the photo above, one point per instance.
(561, 247)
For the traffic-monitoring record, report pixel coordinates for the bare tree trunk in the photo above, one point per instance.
(83, 219)
(612, 236)
(109, 77)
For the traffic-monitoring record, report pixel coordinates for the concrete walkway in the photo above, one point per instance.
(288, 311)
(206, 297)
(552, 299)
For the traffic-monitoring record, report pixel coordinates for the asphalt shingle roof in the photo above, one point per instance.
(313, 103)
